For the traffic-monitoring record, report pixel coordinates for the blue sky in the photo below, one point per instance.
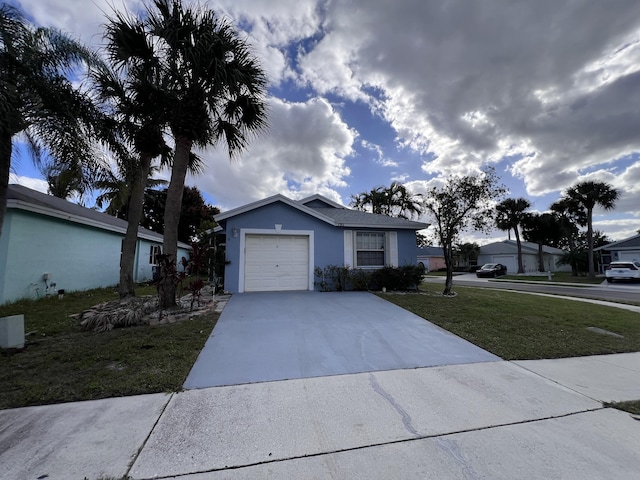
(364, 92)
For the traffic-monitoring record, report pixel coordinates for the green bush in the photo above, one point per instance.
(340, 278)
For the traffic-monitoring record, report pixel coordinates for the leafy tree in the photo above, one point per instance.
(393, 201)
(194, 213)
(543, 229)
(511, 213)
(215, 90)
(421, 240)
(462, 203)
(465, 252)
(570, 218)
(588, 195)
(38, 100)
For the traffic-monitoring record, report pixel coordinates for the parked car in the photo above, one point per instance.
(622, 271)
(491, 270)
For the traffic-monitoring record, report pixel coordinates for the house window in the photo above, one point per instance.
(370, 248)
(154, 251)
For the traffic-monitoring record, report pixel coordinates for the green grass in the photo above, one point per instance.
(520, 326)
(632, 406)
(557, 277)
(62, 363)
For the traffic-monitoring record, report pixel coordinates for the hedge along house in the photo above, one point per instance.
(276, 243)
(49, 244)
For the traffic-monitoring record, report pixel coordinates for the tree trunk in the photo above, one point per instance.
(448, 261)
(5, 165)
(519, 245)
(540, 258)
(134, 215)
(172, 211)
(592, 270)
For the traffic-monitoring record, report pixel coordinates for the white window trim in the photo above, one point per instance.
(390, 249)
(154, 251)
(280, 232)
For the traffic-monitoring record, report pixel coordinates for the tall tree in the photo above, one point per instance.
(216, 91)
(570, 217)
(38, 100)
(588, 195)
(462, 203)
(465, 252)
(542, 229)
(511, 213)
(394, 201)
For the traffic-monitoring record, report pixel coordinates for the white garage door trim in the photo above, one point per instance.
(509, 261)
(277, 232)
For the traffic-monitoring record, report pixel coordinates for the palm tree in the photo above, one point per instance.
(510, 215)
(215, 91)
(588, 194)
(570, 217)
(395, 201)
(39, 101)
(543, 229)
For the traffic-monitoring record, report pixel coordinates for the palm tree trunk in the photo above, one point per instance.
(5, 165)
(592, 270)
(134, 215)
(519, 245)
(172, 211)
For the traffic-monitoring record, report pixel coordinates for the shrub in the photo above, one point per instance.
(407, 277)
(340, 278)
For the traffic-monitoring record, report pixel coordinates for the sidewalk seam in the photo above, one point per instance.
(380, 444)
(146, 440)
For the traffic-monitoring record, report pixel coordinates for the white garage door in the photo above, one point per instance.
(276, 262)
(509, 261)
(628, 256)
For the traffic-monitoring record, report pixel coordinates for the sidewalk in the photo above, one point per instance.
(526, 419)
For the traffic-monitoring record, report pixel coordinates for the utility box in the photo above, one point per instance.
(12, 331)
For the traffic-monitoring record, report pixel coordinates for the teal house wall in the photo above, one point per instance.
(48, 244)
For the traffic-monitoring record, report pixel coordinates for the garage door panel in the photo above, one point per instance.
(276, 262)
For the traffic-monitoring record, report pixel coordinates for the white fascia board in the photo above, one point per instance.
(385, 227)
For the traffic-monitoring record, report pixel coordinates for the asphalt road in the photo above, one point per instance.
(620, 292)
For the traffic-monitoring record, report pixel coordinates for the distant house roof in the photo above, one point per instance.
(631, 243)
(430, 252)
(329, 212)
(23, 198)
(510, 246)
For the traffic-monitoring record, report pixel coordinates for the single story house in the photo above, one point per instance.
(627, 249)
(49, 244)
(276, 243)
(431, 258)
(506, 253)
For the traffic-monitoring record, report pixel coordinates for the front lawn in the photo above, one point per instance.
(518, 326)
(62, 363)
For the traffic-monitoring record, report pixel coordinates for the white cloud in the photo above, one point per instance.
(33, 183)
(303, 154)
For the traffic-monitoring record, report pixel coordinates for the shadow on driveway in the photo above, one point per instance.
(263, 337)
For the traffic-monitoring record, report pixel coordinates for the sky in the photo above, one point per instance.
(365, 92)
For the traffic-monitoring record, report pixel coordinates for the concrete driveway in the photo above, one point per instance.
(263, 337)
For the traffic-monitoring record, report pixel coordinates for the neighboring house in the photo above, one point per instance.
(49, 244)
(431, 258)
(627, 249)
(276, 243)
(506, 253)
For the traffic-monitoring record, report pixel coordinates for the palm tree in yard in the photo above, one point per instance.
(588, 195)
(510, 214)
(38, 100)
(216, 91)
(395, 201)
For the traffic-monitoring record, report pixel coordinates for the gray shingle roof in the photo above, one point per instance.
(25, 198)
(355, 218)
(510, 246)
(431, 251)
(630, 243)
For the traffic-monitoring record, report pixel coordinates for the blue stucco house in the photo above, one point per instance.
(276, 243)
(49, 244)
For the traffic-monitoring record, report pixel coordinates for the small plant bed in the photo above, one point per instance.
(61, 362)
(557, 277)
(442, 274)
(517, 326)
(632, 406)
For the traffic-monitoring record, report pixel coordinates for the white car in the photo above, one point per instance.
(623, 271)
